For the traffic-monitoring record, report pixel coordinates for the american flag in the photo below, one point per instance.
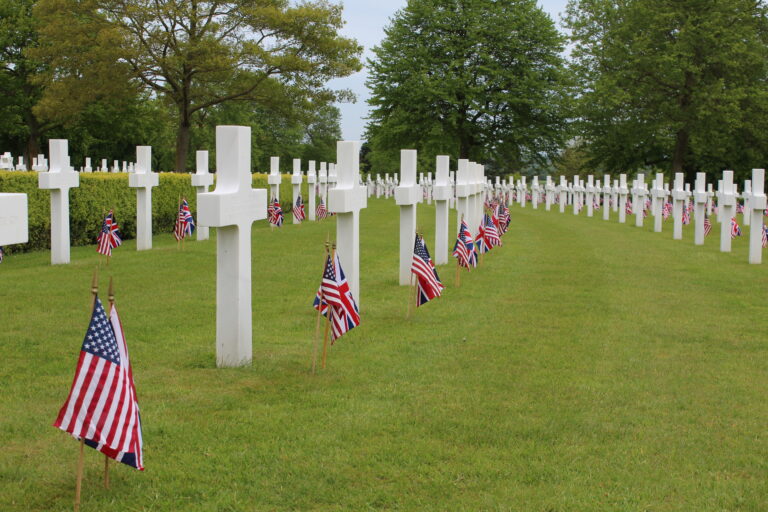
(185, 224)
(739, 208)
(462, 251)
(735, 229)
(428, 282)
(666, 210)
(765, 236)
(334, 294)
(628, 207)
(492, 237)
(504, 218)
(707, 225)
(320, 211)
(686, 217)
(109, 237)
(102, 408)
(276, 214)
(298, 210)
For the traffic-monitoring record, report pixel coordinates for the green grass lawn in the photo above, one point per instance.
(587, 365)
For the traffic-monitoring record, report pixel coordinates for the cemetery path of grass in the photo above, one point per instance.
(586, 366)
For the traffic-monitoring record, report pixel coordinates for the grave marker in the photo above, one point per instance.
(407, 196)
(143, 180)
(201, 180)
(59, 180)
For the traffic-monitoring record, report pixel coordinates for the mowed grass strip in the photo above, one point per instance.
(586, 365)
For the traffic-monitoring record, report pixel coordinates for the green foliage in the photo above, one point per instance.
(586, 366)
(681, 85)
(478, 79)
(100, 192)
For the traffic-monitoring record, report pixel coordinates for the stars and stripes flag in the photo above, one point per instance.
(109, 236)
(504, 218)
(765, 236)
(686, 217)
(276, 214)
(628, 207)
(463, 251)
(102, 408)
(298, 210)
(422, 266)
(185, 224)
(334, 296)
(707, 225)
(735, 229)
(739, 208)
(666, 210)
(491, 231)
(320, 211)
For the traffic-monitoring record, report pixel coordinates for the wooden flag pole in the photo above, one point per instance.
(319, 314)
(176, 225)
(111, 297)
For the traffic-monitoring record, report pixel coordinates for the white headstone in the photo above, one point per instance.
(563, 193)
(407, 196)
(442, 193)
(710, 195)
(13, 219)
(346, 200)
(87, 167)
(59, 180)
(757, 205)
(21, 166)
(311, 181)
(678, 197)
(726, 208)
(623, 192)
(658, 198)
(639, 193)
(324, 183)
(746, 195)
(700, 199)
(232, 208)
(201, 180)
(143, 180)
(274, 178)
(606, 190)
(296, 180)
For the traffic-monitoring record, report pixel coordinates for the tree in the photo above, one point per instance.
(195, 54)
(481, 79)
(679, 84)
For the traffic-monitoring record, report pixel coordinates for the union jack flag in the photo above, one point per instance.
(707, 225)
(109, 236)
(298, 210)
(102, 408)
(735, 229)
(481, 245)
(334, 295)
(185, 224)
(428, 282)
(276, 214)
(320, 211)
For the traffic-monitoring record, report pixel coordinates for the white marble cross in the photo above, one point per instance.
(590, 194)
(623, 192)
(143, 180)
(523, 191)
(658, 198)
(274, 178)
(59, 180)
(606, 190)
(757, 205)
(700, 199)
(746, 196)
(678, 198)
(407, 196)
(296, 180)
(311, 180)
(333, 176)
(462, 194)
(639, 193)
(232, 208)
(536, 189)
(346, 200)
(726, 208)
(550, 193)
(710, 195)
(563, 191)
(442, 193)
(201, 180)
(14, 219)
(324, 183)
(21, 166)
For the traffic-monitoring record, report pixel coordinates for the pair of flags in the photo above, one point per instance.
(275, 213)
(298, 210)
(464, 248)
(102, 409)
(185, 224)
(428, 281)
(334, 299)
(109, 236)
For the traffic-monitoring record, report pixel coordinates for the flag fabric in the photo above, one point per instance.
(462, 251)
(109, 236)
(481, 246)
(765, 236)
(686, 217)
(335, 297)
(185, 224)
(666, 211)
(707, 225)
(492, 237)
(320, 211)
(735, 229)
(276, 214)
(298, 210)
(102, 408)
(2, 254)
(504, 219)
(422, 266)
(628, 208)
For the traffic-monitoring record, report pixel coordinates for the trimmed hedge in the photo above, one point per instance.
(100, 192)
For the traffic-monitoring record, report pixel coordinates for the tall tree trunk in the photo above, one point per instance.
(32, 148)
(182, 143)
(681, 148)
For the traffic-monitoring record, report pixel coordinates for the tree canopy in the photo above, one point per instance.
(481, 79)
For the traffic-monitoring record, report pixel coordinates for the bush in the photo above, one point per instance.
(100, 192)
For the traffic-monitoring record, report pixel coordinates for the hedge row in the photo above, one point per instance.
(100, 192)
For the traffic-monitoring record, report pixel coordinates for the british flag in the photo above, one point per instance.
(334, 296)
(463, 251)
(185, 224)
(422, 266)
(109, 236)
(735, 229)
(275, 213)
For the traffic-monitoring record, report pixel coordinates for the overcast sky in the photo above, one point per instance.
(365, 22)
